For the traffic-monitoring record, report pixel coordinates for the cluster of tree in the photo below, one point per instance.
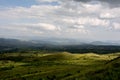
(71, 48)
(84, 49)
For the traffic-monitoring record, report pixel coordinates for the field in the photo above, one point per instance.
(59, 66)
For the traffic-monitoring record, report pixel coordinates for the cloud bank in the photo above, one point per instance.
(79, 19)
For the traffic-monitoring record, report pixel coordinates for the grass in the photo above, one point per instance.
(59, 66)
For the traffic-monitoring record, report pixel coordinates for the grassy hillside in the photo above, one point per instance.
(59, 66)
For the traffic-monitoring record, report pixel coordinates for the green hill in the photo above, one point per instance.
(59, 56)
(59, 66)
(110, 71)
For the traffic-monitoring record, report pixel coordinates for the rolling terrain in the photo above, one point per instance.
(59, 66)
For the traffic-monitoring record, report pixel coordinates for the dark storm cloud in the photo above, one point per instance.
(112, 3)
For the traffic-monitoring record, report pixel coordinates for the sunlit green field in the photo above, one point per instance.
(59, 66)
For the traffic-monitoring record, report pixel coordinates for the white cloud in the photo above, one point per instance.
(106, 15)
(91, 21)
(40, 26)
(92, 7)
(47, 26)
(116, 26)
(110, 13)
(35, 11)
(79, 26)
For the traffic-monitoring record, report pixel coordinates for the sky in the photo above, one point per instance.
(73, 19)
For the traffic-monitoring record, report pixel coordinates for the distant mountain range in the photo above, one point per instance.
(42, 42)
(105, 43)
(70, 45)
